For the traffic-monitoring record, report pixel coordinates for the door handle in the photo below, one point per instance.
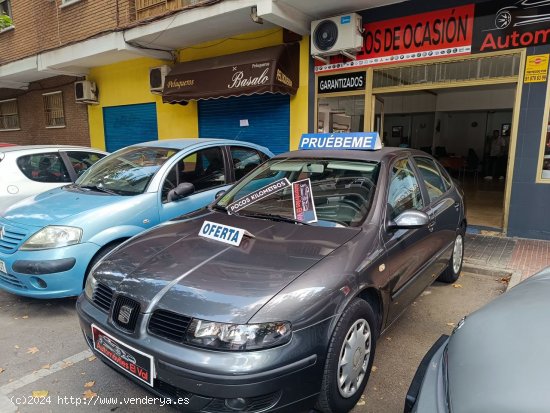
(457, 205)
(431, 225)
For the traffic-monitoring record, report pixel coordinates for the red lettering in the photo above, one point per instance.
(488, 42)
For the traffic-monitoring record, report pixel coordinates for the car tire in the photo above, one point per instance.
(99, 255)
(451, 273)
(357, 321)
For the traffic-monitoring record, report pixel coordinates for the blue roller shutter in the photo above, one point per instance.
(268, 117)
(129, 124)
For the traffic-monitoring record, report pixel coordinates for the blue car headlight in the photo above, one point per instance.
(53, 236)
(238, 337)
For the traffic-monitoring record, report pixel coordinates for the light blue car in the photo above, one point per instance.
(49, 242)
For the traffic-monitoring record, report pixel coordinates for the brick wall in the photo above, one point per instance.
(32, 119)
(43, 25)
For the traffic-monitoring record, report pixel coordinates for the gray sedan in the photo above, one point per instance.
(273, 297)
(496, 359)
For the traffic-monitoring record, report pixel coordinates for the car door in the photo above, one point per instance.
(206, 169)
(78, 162)
(244, 160)
(443, 211)
(408, 250)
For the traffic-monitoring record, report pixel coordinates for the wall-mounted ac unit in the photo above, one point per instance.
(156, 78)
(337, 35)
(85, 91)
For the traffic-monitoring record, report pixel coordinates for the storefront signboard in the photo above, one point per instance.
(343, 82)
(536, 68)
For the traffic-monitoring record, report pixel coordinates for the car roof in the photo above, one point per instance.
(182, 143)
(31, 148)
(387, 153)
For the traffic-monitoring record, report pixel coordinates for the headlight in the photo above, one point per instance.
(91, 283)
(53, 237)
(238, 337)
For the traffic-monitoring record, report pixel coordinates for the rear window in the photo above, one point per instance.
(44, 167)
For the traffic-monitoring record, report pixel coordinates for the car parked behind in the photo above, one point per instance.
(31, 169)
(496, 359)
(264, 301)
(49, 242)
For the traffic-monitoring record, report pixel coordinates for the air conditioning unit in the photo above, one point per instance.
(156, 78)
(85, 91)
(337, 35)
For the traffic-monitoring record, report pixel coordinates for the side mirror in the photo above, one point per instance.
(181, 191)
(410, 219)
(219, 194)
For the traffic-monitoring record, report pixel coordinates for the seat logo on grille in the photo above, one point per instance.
(124, 314)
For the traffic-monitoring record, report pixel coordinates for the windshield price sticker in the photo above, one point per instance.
(222, 233)
(302, 201)
(258, 195)
(340, 141)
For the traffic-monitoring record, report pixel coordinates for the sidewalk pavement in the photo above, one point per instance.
(517, 258)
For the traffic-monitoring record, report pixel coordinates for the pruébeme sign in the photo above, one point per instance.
(343, 82)
(341, 141)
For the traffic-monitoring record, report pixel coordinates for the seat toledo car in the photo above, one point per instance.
(32, 169)
(49, 242)
(262, 302)
(477, 370)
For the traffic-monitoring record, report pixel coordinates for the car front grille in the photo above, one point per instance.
(124, 306)
(103, 297)
(11, 237)
(11, 280)
(169, 325)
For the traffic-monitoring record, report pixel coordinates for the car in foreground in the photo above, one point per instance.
(496, 359)
(49, 242)
(32, 169)
(262, 302)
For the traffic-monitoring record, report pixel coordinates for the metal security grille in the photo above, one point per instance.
(9, 116)
(53, 109)
(476, 69)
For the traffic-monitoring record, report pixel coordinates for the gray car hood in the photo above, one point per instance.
(499, 359)
(173, 268)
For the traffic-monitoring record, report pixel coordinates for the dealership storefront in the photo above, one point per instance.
(444, 81)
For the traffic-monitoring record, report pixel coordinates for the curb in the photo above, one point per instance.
(515, 277)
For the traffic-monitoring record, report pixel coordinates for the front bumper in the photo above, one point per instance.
(285, 378)
(53, 273)
(427, 392)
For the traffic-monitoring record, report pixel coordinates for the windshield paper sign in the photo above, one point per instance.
(302, 201)
(222, 233)
(258, 195)
(353, 140)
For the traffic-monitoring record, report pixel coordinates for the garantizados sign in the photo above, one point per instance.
(344, 82)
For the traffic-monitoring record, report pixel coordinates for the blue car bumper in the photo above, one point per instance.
(53, 273)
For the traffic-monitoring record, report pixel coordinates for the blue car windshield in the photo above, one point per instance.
(323, 192)
(126, 172)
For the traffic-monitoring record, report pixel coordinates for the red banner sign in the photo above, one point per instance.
(434, 34)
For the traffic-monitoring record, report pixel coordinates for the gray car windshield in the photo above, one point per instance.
(323, 192)
(127, 172)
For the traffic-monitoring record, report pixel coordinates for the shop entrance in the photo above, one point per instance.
(461, 112)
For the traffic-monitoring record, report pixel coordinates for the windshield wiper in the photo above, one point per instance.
(273, 217)
(98, 188)
(219, 208)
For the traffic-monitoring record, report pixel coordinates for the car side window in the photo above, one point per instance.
(445, 176)
(44, 167)
(81, 161)
(204, 169)
(404, 191)
(433, 180)
(244, 160)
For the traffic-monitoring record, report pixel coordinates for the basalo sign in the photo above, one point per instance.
(340, 141)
